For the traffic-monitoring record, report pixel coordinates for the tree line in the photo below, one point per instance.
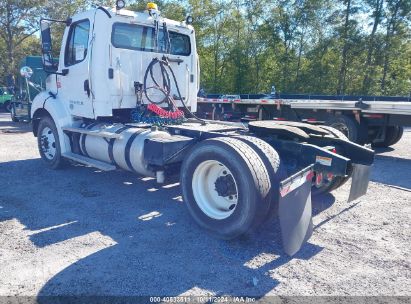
(356, 47)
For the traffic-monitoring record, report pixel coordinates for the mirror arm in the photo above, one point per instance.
(63, 72)
(67, 22)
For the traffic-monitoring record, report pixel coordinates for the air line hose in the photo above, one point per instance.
(165, 88)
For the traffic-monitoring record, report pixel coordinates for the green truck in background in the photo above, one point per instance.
(5, 99)
(27, 89)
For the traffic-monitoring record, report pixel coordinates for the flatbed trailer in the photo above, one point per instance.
(364, 119)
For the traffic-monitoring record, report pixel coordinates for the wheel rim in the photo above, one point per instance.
(8, 107)
(215, 189)
(342, 128)
(48, 143)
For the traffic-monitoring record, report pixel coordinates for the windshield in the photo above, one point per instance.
(142, 38)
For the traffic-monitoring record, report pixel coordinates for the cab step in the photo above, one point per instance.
(89, 161)
(92, 132)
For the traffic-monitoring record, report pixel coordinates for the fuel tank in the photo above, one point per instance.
(125, 152)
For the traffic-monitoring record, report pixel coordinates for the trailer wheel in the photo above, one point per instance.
(224, 184)
(349, 127)
(335, 132)
(392, 135)
(48, 143)
(400, 133)
(275, 170)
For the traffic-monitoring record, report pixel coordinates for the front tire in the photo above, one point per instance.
(49, 144)
(7, 106)
(224, 184)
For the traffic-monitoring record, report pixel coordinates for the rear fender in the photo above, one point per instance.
(356, 153)
(305, 154)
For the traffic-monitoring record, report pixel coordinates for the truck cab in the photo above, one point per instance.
(122, 95)
(104, 56)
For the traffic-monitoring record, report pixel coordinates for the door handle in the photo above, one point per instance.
(175, 60)
(178, 60)
(87, 87)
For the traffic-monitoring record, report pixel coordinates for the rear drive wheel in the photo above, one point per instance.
(275, 170)
(224, 184)
(48, 144)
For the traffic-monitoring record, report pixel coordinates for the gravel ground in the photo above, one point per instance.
(83, 232)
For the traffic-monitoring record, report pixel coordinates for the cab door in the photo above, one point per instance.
(181, 60)
(74, 86)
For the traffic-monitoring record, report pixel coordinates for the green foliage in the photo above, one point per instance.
(309, 46)
(18, 23)
(246, 46)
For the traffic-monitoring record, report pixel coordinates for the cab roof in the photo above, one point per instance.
(135, 17)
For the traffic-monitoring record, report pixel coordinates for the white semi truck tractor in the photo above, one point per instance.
(123, 94)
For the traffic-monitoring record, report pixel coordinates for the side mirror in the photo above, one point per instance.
(46, 47)
(26, 72)
(189, 20)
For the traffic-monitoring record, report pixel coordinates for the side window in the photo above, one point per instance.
(77, 43)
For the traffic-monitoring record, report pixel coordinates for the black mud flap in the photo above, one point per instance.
(295, 211)
(359, 181)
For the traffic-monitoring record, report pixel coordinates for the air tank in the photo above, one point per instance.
(126, 152)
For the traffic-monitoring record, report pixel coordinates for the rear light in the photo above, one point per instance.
(373, 115)
(319, 179)
(310, 176)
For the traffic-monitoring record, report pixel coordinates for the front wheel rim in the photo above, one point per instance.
(48, 143)
(215, 189)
